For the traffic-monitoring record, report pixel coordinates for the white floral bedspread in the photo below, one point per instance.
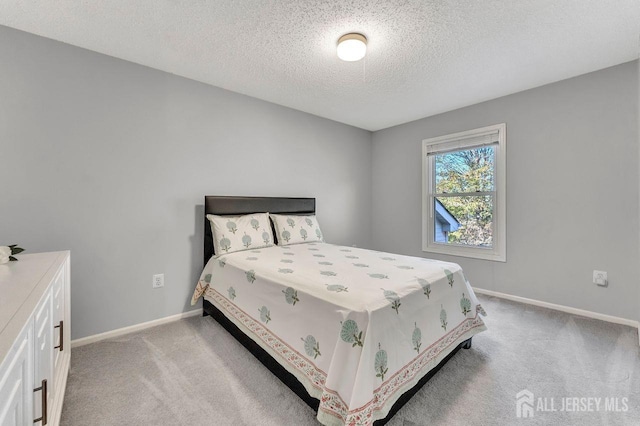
(357, 327)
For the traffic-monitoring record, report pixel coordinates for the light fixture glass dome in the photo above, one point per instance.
(352, 47)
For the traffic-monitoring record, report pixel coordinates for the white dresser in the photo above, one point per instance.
(35, 348)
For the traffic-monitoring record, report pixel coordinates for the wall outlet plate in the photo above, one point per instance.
(600, 278)
(158, 280)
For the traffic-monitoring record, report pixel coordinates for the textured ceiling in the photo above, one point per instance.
(424, 56)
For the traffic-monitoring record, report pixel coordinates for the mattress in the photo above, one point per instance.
(356, 327)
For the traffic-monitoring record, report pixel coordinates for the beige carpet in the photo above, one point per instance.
(193, 372)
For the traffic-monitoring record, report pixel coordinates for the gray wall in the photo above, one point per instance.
(111, 160)
(572, 190)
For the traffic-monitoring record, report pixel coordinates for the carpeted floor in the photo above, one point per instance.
(193, 372)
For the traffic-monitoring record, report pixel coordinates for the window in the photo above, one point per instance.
(463, 200)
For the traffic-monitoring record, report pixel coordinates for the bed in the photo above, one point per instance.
(353, 332)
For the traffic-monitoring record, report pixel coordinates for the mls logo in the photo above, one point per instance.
(524, 404)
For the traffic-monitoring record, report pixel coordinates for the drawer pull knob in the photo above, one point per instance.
(61, 345)
(43, 388)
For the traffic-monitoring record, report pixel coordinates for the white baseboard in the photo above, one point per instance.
(608, 318)
(568, 309)
(126, 330)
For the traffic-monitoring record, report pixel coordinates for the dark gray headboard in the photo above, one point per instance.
(233, 206)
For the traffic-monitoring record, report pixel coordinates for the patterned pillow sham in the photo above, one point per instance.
(296, 229)
(237, 233)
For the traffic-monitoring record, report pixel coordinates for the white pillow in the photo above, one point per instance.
(237, 233)
(296, 229)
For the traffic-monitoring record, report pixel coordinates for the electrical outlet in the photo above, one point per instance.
(600, 278)
(158, 280)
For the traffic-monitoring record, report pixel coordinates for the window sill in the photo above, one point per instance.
(474, 253)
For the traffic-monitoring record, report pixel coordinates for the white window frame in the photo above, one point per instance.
(456, 141)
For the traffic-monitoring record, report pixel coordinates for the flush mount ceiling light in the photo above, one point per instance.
(352, 47)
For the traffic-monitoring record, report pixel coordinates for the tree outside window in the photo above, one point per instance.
(464, 185)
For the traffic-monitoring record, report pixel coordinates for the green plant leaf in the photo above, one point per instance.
(13, 258)
(16, 250)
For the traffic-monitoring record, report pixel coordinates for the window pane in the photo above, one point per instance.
(469, 170)
(464, 220)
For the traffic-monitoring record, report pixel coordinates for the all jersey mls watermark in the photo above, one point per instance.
(527, 404)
